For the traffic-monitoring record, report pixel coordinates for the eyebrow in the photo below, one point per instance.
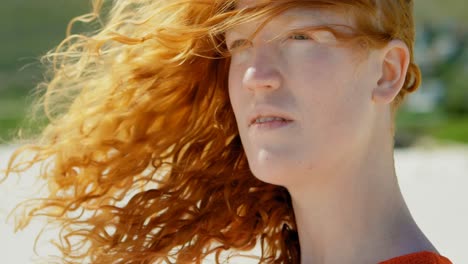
(293, 16)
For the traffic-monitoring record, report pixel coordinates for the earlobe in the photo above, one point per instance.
(394, 61)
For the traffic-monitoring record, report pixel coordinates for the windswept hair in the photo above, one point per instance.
(142, 155)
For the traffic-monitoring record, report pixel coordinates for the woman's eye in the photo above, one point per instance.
(299, 36)
(239, 43)
(318, 36)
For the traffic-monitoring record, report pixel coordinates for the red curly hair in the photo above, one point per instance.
(142, 155)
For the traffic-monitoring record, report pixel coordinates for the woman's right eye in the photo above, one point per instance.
(237, 44)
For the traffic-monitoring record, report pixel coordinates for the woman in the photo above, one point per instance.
(198, 127)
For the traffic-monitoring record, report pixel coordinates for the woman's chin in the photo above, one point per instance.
(286, 169)
(275, 173)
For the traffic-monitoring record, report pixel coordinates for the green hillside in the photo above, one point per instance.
(29, 28)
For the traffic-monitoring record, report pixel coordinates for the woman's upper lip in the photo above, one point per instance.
(267, 111)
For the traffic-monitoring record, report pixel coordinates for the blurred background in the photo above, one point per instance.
(432, 125)
(437, 111)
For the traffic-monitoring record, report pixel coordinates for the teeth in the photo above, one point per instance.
(268, 119)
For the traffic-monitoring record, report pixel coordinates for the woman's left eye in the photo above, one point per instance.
(299, 36)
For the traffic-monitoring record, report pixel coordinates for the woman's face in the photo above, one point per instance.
(324, 90)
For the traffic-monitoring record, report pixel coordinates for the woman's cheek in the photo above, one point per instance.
(240, 57)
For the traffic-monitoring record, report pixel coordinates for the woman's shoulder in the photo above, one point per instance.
(421, 257)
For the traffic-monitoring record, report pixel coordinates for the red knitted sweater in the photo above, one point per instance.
(423, 257)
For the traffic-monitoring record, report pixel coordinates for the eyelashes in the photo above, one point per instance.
(239, 43)
(245, 43)
(319, 36)
(299, 36)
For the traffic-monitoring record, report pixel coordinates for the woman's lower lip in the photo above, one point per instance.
(271, 124)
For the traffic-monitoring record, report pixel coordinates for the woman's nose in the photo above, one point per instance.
(262, 73)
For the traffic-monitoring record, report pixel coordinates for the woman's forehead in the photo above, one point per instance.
(317, 15)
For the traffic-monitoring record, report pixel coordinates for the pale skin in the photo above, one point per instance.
(335, 157)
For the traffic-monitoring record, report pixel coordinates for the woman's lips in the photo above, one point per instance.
(271, 124)
(263, 111)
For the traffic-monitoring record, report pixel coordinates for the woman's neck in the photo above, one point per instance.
(356, 214)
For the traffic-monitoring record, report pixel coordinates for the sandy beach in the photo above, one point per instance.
(434, 183)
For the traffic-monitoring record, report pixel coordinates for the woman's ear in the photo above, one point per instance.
(394, 59)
